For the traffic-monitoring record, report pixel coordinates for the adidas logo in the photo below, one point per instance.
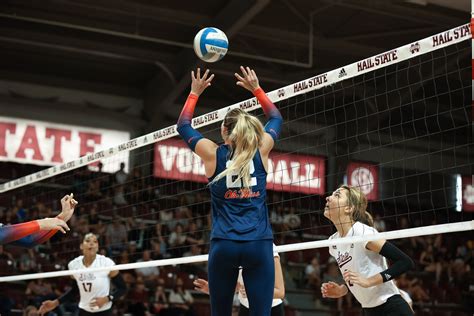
(388, 276)
(342, 73)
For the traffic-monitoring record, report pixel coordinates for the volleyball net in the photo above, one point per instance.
(397, 125)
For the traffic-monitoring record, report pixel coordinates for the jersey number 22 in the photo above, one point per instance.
(231, 178)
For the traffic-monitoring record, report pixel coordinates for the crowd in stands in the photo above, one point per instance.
(140, 218)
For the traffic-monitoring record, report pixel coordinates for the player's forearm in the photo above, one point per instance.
(343, 290)
(120, 287)
(184, 128)
(188, 110)
(68, 295)
(278, 293)
(401, 262)
(275, 120)
(375, 280)
(15, 232)
(35, 239)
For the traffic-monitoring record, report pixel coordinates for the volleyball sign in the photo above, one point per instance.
(48, 144)
(365, 177)
(286, 172)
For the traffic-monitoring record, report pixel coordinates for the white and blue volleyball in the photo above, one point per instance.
(210, 44)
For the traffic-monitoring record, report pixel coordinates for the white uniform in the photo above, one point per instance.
(357, 258)
(92, 285)
(243, 298)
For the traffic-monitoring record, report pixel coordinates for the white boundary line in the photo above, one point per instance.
(426, 45)
(396, 234)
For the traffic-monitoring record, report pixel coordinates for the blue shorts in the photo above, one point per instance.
(258, 271)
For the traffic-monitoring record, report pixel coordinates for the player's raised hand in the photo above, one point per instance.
(68, 204)
(199, 84)
(248, 79)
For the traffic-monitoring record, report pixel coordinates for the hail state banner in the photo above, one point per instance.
(365, 176)
(468, 193)
(286, 172)
(44, 143)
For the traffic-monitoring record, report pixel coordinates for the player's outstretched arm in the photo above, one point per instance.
(249, 80)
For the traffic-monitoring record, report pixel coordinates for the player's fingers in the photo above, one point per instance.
(192, 75)
(206, 73)
(244, 72)
(198, 76)
(210, 78)
(63, 225)
(254, 74)
(249, 72)
(239, 77)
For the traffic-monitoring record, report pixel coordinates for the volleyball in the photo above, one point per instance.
(210, 44)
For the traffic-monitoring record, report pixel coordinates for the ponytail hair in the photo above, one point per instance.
(245, 133)
(358, 202)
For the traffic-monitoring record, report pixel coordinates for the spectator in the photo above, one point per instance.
(5, 255)
(194, 236)
(160, 301)
(313, 274)
(20, 211)
(119, 197)
(38, 290)
(181, 300)
(183, 215)
(139, 234)
(157, 239)
(28, 262)
(93, 192)
(379, 223)
(116, 236)
(177, 241)
(148, 274)
(276, 218)
(429, 263)
(121, 176)
(166, 218)
(138, 298)
(291, 221)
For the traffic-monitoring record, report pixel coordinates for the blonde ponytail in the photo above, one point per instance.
(245, 133)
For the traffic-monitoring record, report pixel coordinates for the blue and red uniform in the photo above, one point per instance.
(241, 234)
(24, 234)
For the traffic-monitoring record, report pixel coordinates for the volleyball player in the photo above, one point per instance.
(278, 292)
(363, 265)
(32, 233)
(241, 234)
(94, 287)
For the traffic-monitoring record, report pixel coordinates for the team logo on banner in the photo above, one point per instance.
(365, 177)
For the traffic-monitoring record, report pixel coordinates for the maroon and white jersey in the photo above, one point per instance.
(93, 284)
(357, 258)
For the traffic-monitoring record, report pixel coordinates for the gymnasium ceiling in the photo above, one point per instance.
(85, 53)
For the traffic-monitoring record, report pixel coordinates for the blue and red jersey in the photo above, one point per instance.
(239, 213)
